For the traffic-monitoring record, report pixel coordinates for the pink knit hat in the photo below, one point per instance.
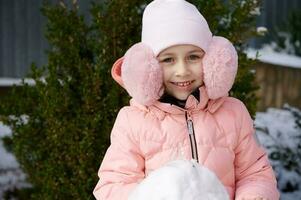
(167, 23)
(171, 22)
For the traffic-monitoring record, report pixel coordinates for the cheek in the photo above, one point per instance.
(166, 74)
(198, 70)
(198, 74)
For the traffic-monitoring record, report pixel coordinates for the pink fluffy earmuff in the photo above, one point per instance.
(219, 67)
(141, 75)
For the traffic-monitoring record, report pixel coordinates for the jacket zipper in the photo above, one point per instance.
(191, 133)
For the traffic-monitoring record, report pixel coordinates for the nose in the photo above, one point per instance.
(181, 68)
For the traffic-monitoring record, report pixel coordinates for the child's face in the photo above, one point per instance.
(182, 69)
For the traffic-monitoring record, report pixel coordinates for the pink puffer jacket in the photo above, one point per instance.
(145, 138)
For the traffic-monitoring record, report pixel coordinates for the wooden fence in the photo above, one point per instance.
(278, 85)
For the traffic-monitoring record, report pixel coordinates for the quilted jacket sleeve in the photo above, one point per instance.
(123, 166)
(253, 173)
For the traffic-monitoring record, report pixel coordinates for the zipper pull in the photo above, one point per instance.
(193, 145)
(190, 126)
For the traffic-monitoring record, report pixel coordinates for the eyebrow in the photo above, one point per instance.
(166, 54)
(192, 51)
(196, 50)
(172, 54)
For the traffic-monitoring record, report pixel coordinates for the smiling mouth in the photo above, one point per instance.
(182, 84)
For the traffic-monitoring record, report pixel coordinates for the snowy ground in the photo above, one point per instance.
(268, 55)
(11, 176)
(276, 128)
(278, 132)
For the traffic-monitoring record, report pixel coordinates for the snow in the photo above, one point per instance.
(268, 55)
(286, 124)
(14, 81)
(277, 131)
(291, 196)
(178, 180)
(274, 128)
(256, 11)
(4, 130)
(226, 20)
(261, 30)
(11, 176)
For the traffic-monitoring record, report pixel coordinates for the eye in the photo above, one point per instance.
(194, 57)
(167, 60)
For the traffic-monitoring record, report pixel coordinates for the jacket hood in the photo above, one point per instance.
(116, 71)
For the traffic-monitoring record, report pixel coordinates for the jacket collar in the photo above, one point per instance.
(167, 98)
(192, 105)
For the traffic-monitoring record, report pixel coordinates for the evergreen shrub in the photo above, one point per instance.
(287, 36)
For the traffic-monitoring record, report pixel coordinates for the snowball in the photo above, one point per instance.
(180, 180)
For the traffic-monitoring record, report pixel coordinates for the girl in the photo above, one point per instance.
(179, 76)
